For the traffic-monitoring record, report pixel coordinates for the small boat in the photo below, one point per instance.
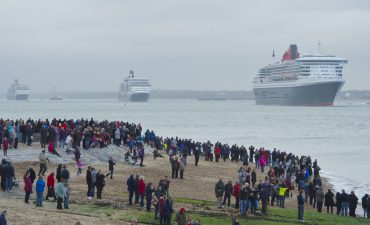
(56, 98)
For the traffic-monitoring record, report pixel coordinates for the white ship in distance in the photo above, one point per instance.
(18, 91)
(134, 89)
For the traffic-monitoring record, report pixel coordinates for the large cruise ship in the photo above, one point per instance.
(17, 91)
(307, 80)
(134, 89)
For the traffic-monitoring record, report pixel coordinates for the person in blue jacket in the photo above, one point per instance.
(40, 187)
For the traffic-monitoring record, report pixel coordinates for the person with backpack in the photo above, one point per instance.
(352, 202)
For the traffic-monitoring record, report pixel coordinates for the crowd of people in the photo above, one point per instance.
(284, 172)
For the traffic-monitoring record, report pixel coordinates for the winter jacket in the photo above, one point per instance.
(60, 190)
(27, 184)
(180, 218)
(236, 190)
(228, 189)
(364, 201)
(51, 181)
(320, 195)
(141, 186)
(131, 183)
(219, 189)
(40, 185)
(329, 199)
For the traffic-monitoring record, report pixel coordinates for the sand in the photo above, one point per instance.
(199, 182)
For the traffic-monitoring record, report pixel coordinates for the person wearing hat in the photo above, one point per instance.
(181, 217)
(42, 161)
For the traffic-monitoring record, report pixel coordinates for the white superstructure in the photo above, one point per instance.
(17, 91)
(319, 76)
(134, 89)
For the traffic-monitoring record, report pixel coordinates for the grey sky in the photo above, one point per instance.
(199, 45)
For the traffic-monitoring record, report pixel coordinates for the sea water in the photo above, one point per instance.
(338, 137)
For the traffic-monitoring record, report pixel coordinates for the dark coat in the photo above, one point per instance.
(131, 183)
(329, 199)
(228, 189)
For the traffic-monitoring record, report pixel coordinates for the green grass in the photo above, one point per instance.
(276, 216)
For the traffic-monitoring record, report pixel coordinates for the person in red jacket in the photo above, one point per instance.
(217, 151)
(5, 146)
(50, 184)
(141, 190)
(27, 187)
(236, 192)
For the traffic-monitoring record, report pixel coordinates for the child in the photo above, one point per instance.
(5, 146)
(79, 165)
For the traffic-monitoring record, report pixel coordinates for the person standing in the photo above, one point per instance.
(88, 181)
(352, 201)
(141, 187)
(236, 192)
(319, 199)
(93, 182)
(60, 194)
(5, 146)
(300, 201)
(364, 201)
(228, 192)
(40, 187)
(243, 199)
(219, 191)
(50, 184)
(345, 203)
(42, 160)
(27, 187)
(59, 170)
(131, 188)
(100, 183)
(329, 201)
(167, 211)
(182, 167)
(149, 196)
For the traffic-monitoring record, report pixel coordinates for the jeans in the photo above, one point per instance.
(8, 183)
(282, 201)
(365, 212)
(344, 209)
(61, 144)
(300, 212)
(244, 206)
(39, 198)
(88, 190)
(66, 202)
(142, 199)
(92, 190)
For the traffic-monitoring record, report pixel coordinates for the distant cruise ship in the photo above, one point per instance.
(134, 89)
(17, 91)
(308, 80)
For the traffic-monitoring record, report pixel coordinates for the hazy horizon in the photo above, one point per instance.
(192, 45)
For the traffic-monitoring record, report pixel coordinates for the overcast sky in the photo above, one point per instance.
(192, 44)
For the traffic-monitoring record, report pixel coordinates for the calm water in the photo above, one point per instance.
(339, 137)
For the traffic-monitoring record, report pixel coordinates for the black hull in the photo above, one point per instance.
(314, 94)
